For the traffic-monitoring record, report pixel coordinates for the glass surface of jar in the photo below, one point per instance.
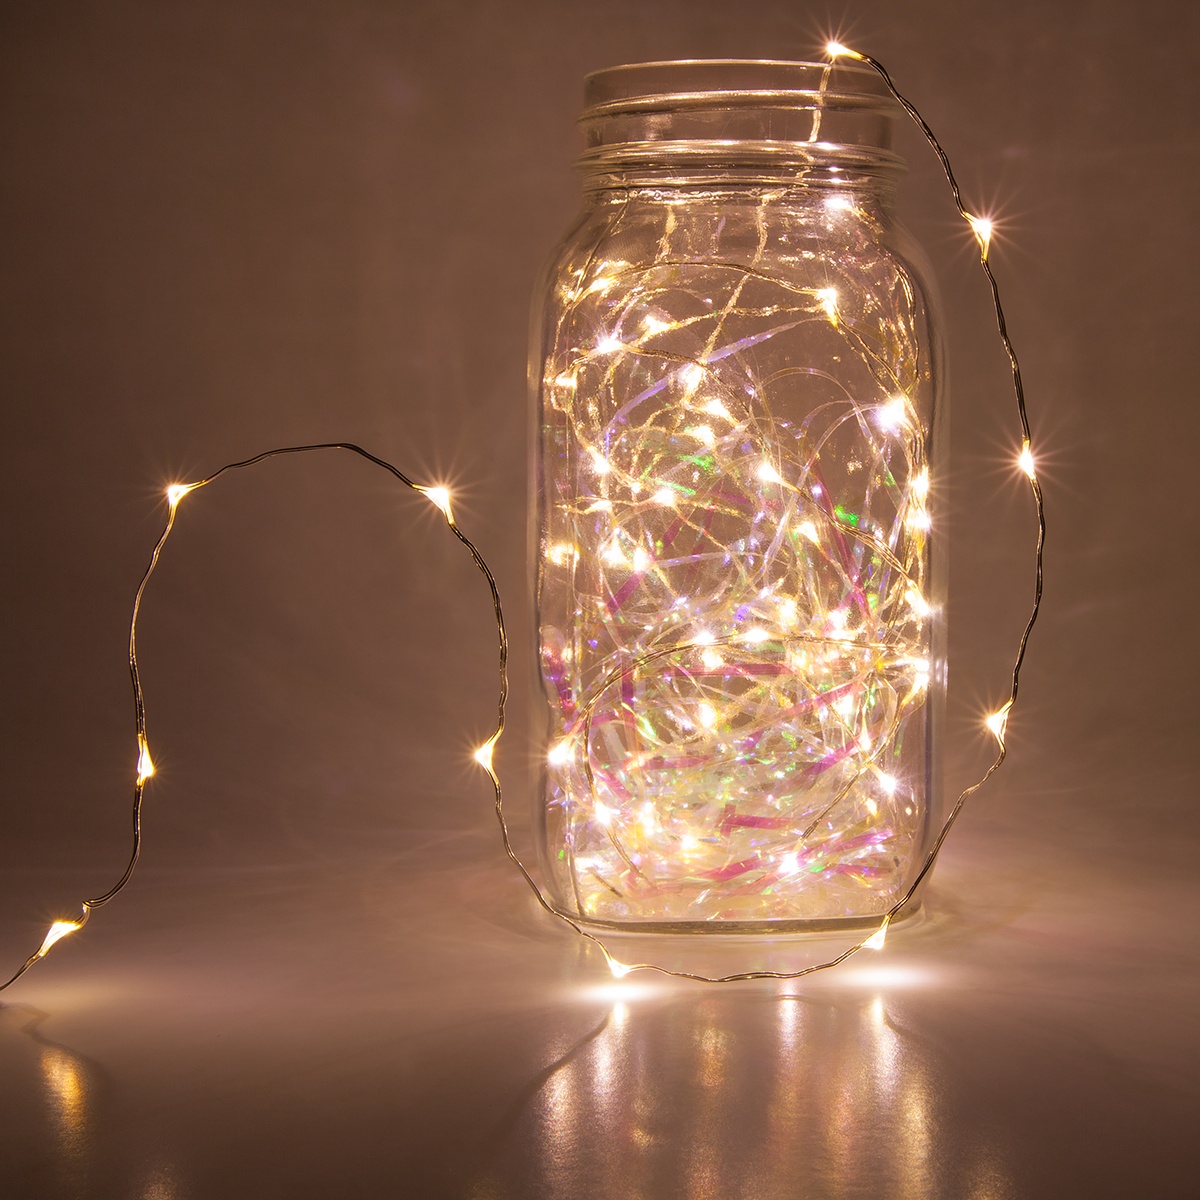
(737, 377)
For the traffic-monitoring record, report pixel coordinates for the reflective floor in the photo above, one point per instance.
(341, 1028)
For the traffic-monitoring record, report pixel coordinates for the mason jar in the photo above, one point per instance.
(740, 571)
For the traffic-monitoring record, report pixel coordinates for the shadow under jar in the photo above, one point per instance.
(737, 378)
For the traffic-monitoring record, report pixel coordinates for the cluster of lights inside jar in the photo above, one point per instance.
(750, 627)
(714, 424)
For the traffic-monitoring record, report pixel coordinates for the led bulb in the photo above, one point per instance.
(483, 755)
(619, 969)
(1025, 461)
(837, 50)
(145, 766)
(828, 298)
(177, 491)
(439, 496)
(57, 932)
(877, 939)
(997, 722)
(893, 414)
(982, 228)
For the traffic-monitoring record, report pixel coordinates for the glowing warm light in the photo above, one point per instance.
(608, 344)
(829, 298)
(566, 380)
(809, 530)
(707, 715)
(767, 473)
(560, 753)
(756, 636)
(877, 939)
(716, 409)
(703, 433)
(837, 50)
(917, 602)
(145, 765)
(440, 497)
(693, 375)
(600, 464)
(1025, 461)
(604, 814)
(619, 969)
(997, 722)
(982, 228)
(641, 560)
(894, 413)
(711, 659)
(652, 325)
(664, 495)
(920, 483)
(56, 932)
(483, 755)
(177, 491)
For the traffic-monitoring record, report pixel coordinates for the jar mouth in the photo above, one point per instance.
(746, 113)
(694, 82)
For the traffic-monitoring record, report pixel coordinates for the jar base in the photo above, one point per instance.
(805, 927)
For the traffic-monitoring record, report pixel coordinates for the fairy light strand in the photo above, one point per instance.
(144, 771)
(440, 497)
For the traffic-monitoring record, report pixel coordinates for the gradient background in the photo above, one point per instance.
(232, 226)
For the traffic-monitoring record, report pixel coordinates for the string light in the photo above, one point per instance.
(997, 722)
(693, 377)
(877, 939)
(836, 50)
(982, 229)
(56, 932)
(145, 765)
(438, 496)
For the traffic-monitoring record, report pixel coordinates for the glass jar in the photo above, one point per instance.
(737, 377)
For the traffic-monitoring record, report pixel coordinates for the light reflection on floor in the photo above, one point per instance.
(195, 1051)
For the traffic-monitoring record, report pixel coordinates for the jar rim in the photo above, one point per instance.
(769, 117)
(696, 82)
